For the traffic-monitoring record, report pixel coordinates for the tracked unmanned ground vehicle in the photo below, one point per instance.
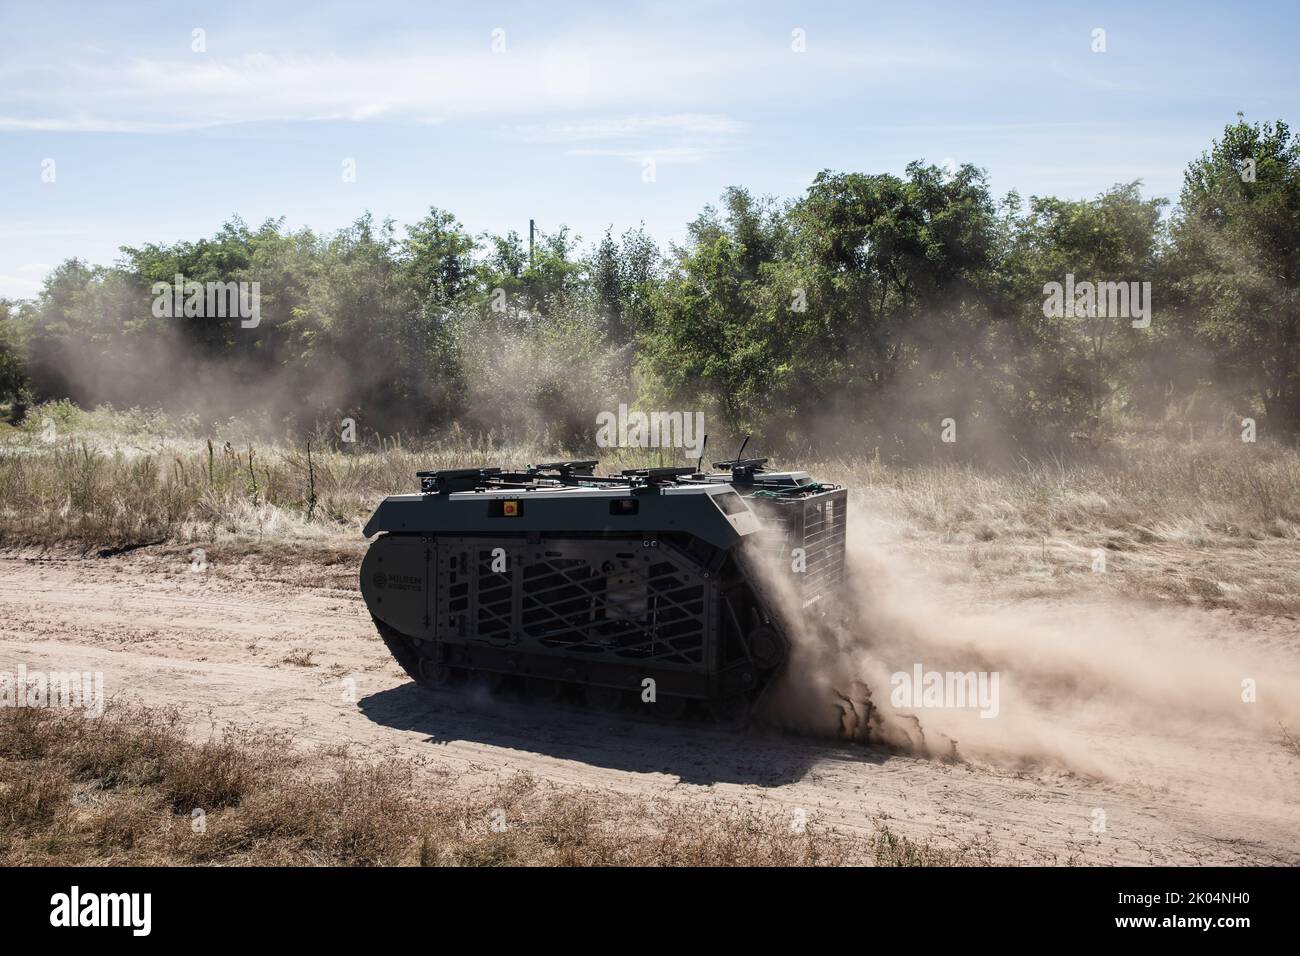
(566, 580)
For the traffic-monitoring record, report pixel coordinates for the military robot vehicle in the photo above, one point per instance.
(570, 583)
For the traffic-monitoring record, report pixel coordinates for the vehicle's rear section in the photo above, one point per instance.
(805, 538)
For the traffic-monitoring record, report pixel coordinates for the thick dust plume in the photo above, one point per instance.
(1106, 691)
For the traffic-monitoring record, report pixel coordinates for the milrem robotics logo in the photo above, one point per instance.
(134, 910)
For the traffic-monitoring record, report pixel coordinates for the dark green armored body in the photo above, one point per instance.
(643, 587)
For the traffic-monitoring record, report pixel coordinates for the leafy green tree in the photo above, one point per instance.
(59, 332)
(868, 309)
(1114, 238)
(513, 286)
(370, 354)
(896, 267)
(706, 336)
(623, 277)
(438, 255)
(13, 371)
(806, 315)
(1236, 262)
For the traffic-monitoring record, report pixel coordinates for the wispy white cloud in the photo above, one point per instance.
(665, 155)
(621, 127)
(150, 95)
(101, 92)
(85, 124)
(987, 127)
(553, 84)
(665, 138)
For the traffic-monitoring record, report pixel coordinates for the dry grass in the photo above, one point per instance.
(1137, 491)
(1290, 743)
(113, 480)
(1214, 523)
(890, 849)
(125, 789)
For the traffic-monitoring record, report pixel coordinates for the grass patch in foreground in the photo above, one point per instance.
(124, 789)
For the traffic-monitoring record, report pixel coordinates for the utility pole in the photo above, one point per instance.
(532, 227)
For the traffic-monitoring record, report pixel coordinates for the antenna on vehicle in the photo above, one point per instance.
(742, 448)
(699, 467)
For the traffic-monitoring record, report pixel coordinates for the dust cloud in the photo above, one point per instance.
(1120, 691)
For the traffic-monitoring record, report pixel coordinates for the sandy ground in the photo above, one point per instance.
(226, 642)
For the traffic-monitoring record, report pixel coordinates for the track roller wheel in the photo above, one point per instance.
(766, 647)
(436, 674)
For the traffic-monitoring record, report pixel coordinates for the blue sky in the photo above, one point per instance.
(152, 141)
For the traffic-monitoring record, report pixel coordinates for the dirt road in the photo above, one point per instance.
(254, 640)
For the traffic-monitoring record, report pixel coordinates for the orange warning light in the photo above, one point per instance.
(510, 509)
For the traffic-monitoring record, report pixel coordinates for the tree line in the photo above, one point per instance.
(868, 310)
